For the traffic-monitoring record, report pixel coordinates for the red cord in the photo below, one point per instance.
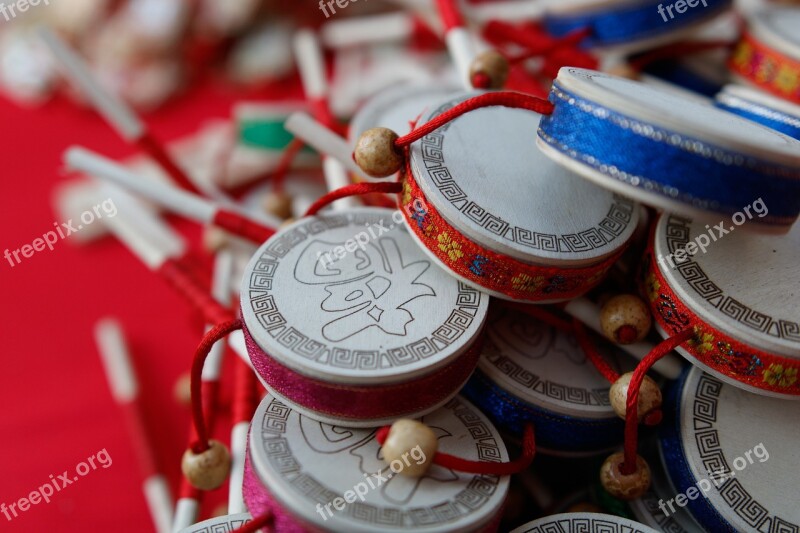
(255, 524)
(242, 226)
(499, 98)
(156, 150)
(285, 163)
(549, 45)
(200, 299)
(353, 190)
(450, 15)
(200, 355)
(481, 467)
(631, 409)
(597, 360)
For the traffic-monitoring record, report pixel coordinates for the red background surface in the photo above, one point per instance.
(56, 406)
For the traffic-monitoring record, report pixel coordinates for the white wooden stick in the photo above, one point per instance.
(124, 388)
(237, 343)
(507, 10)
(323, 140)
(115, 111)
(220, 290)
(587, 312)
(372, 29)
(176, 200)
(336, 177)
(238, 454)
(462, 51)
(187, 510)
(311, 64)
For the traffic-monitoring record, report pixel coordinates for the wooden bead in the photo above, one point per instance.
(207, 470)
(278, 204)
(287, 222)
(649, 396)
(376, 154)
(493, 65)
(625, 319)
(183, 389)
(625, 486)
(409, 448)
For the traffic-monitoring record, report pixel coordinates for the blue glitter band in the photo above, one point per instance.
(663, 162)
(677, 465)
(627, 23)
(763, 115)
(553, 431)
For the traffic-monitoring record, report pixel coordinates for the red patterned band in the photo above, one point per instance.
(363, 402)
(488, 269)
(767, 68)
(713, 348)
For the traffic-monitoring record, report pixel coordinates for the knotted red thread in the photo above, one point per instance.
(198, 297)
(242, 226)
(500, 98)
(481, 467)
(156, 150)
(631, 408)
(353, 190)
(201, 354)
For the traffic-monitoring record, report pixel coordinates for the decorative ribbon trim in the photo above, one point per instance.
(663, 162)
(629, 22)
(713, 348)
(488, 269)
(767, 68)
(554, 432)
(677, 465)
(360, 402)
(760, 114)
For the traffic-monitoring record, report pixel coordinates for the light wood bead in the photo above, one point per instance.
(183, 389)
(625, 319)
(278, 204)
(404, 436)
(493, 65)
(215, 239)
(207, 470)
(220, 510)
(650, 397)
(622, 486)
(287, 222)
(376, 154)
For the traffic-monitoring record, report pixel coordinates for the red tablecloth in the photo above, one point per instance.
(56, 406)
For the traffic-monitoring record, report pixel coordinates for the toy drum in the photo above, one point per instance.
(670, 151)
(498, 215)
(627, 25)
(347, 321)
(532, 372)
(732, 456)
(318, 477)
(780, 115)
(768, 54)
(580, 522)
(736, 290)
